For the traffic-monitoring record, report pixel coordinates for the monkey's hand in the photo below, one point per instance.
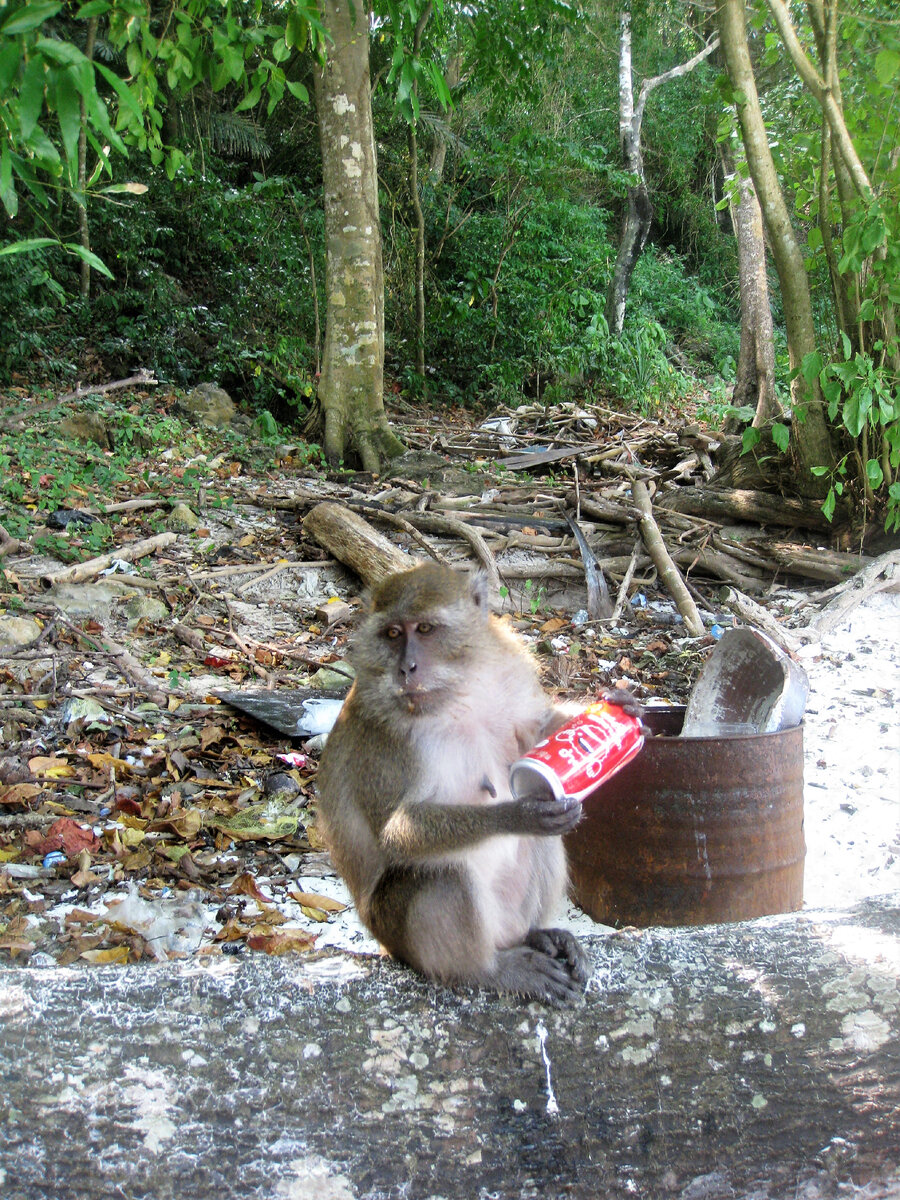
(547, 817)
(623, 699)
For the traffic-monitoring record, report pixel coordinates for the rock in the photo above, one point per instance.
(146, 608)
(89, 599)
(182, 520)
(208, 404)
(18, 631)
(87, 427)
(327, 680)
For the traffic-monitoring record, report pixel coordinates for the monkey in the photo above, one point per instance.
(450, 873)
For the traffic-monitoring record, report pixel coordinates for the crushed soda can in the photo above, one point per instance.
(580, 756)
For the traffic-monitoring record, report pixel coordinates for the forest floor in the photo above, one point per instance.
(143, 816)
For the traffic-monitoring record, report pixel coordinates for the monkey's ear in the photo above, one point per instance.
(478, 590)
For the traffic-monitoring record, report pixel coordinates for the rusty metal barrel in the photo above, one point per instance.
(694, 830)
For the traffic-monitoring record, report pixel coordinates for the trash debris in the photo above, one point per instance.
(168, 926)
(748, 685)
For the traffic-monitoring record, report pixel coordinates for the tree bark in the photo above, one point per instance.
(351, 388)
(810, 444)
(755, 382)
(639, 214)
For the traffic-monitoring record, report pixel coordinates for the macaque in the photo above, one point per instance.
(451, 874)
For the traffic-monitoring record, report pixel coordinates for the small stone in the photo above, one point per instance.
(18, 631)
(146, 608)
(329, 680)
(182, 520)
(208, 404)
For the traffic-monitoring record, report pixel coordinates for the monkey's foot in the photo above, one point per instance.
(549, 966)
(560, 944)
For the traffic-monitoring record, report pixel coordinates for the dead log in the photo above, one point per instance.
(721, 566)
(355, 543)
(95, 566)
(815, 562)
(668, 571)
(882, 574)
(741, 505)
(755, 615)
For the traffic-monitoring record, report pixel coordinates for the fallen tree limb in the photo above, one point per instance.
(92, 567)
(880, 575)
(754, 614)
(737, 504)
(815, 562)
(454, 527)
(668, 571)
(599, 604)
(355, 543)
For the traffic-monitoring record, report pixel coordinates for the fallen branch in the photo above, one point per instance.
(599, 604)
(622, 595)
(881, 575)
(397, 522)
(92, 567)
(668, 571)
(737, 504)
(141, 379)
(355, 543)
(133, 670)
(754, 614)
(454, 527)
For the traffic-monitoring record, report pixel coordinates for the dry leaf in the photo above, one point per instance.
(68, 836)
(314, 900)
(50, 767)
(284, 941)
(114, 954)
(19, 794)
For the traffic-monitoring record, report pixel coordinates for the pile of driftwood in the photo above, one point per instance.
(617, 498)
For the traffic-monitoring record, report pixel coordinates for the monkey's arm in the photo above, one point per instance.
(419, 829)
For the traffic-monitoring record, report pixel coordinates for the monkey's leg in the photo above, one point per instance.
(430, 919)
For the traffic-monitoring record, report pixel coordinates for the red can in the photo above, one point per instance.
(582, 754)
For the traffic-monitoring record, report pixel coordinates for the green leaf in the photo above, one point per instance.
(811, 366)
(68, 111)
(7, 191)
(749, 439)
(781, 436)
(125, 94)
(93, 8)
(874, 473)
(829, 505)
(64, 54)
(89, 257)
(296, 32)
(31, 96)
(28, 244)
(298, 90)
(10, 58)
(887, 66)
(29, 17)
(856, 409)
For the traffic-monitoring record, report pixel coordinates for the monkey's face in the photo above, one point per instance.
(414, 649)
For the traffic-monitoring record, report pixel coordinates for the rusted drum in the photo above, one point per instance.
(694, 830)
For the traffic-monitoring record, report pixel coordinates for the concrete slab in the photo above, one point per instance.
(757, 1060)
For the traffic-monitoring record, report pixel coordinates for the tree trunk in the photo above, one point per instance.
(351, 388)
(640, 211)
(755, 382)
(810, 441)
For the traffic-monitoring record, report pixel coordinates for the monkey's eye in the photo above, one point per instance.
(393, 632)
(425, 627)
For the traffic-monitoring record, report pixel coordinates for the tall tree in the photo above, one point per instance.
(639, 213)
(810, 442)
(351, 387)
(754, 384)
